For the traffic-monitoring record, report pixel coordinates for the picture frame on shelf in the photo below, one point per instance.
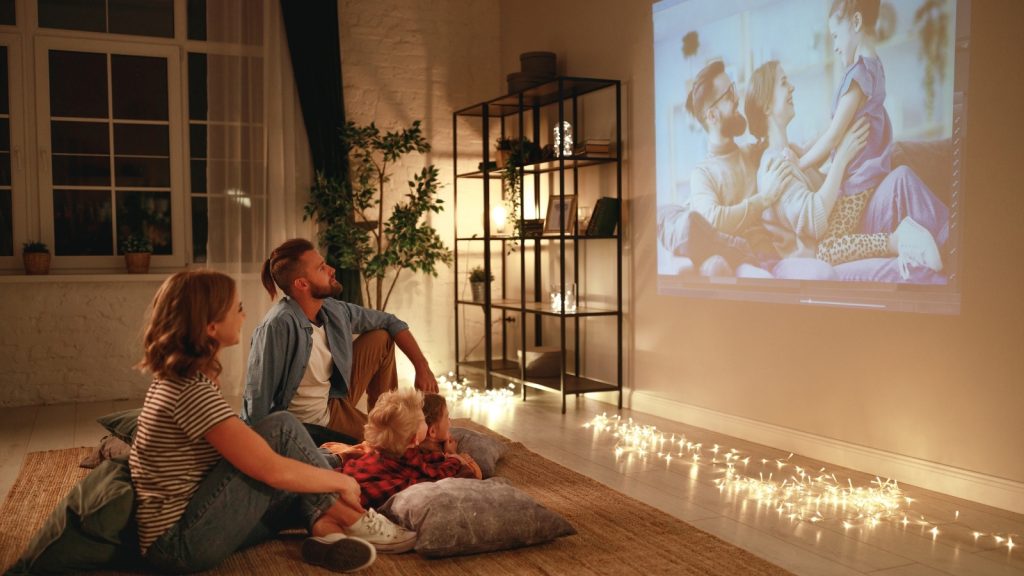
(556, 216)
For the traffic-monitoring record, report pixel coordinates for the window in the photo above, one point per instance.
(133, 127)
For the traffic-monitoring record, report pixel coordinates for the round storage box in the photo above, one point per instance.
(538, 64)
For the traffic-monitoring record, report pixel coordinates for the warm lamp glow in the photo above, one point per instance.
(499, 216)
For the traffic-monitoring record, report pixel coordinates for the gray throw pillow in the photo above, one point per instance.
(121, 424)
(458, 516)
(486, 450)
(92, 527)
(111, 448)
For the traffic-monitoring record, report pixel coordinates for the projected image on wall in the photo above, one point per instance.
(811, 150)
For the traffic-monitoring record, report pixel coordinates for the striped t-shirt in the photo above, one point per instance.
(170, 456)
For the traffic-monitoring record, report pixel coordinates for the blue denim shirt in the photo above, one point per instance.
(282, 343)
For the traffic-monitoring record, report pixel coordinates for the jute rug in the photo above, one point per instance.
(617, 534)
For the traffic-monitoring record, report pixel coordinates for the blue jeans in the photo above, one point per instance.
(231, 511)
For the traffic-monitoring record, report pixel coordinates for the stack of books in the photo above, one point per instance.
(600, 147)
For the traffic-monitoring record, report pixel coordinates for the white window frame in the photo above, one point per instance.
(178, 188)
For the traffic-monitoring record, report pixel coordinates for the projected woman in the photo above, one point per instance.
(799, 218)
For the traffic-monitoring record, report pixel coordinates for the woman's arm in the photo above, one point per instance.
(849, 103)
(250, 453)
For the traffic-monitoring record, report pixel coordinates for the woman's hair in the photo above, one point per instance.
(760, 93)
(282, 268)
(175, 343)
(394, 420)
(868, 9)
(433, 407)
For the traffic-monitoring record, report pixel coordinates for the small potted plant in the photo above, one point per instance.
(36, 256)
(137, 251)
(478, 277)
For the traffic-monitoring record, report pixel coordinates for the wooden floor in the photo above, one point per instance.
(679, 488)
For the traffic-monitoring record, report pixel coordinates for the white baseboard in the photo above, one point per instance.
(983, 488)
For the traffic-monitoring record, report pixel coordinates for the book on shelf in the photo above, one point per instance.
(605, 218)
(594, 147)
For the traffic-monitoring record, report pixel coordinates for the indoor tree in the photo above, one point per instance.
(355, 231)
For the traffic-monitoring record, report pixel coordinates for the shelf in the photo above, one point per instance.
(549, 236)
(545, 308)
(573, 384)
(540, 95)
(545, 166)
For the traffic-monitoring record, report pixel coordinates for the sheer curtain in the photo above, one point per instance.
(258, 169)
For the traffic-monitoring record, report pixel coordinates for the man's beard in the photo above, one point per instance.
(331, 291)
(734, 126)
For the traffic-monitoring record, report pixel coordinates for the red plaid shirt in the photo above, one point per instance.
(380, 475)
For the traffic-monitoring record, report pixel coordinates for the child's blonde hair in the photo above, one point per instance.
(394, 420)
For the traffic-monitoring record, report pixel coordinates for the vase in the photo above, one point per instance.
(479, 289)
(36, 263)
(137, 262)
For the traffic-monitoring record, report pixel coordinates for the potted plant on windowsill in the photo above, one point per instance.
(137, 251)
(478, 279)
(36, 257)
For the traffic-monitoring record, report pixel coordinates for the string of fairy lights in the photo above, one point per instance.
(458, 390)
(793, 491)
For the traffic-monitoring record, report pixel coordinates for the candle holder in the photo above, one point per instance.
(558, 297)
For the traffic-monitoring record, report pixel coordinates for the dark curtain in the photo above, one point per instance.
(312, 30)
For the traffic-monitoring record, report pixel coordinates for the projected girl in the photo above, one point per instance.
(803, 217)
(861, 94)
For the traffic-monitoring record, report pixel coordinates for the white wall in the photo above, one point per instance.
(404, 60)
(886, 392)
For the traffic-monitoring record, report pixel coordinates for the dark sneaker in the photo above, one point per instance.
(338, 552)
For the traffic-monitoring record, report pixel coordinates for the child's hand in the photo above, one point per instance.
(853, 142)
(451, 445)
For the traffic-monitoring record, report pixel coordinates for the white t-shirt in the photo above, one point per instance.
(310, 401)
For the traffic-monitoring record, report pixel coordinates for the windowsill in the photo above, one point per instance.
(85, 276)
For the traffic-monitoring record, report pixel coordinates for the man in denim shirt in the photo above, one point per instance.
(303, 358)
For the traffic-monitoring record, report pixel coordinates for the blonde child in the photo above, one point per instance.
(439, 439)
(207, 484)
(861, 94)
(393, 461)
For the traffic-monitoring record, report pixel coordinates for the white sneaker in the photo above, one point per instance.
(385, 535)
(338, 553)
(916, 245)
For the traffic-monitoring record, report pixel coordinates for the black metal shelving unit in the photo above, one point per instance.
(532, 113)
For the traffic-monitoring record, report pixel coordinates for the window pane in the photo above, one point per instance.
(200, 224)
(197, 102)
(197, 19)
(6, 224)
(82, 223)
(143, 172)
(80, 137)
(7, 12)
(5, 169)
(78, 84)
(5, 82)
(71, 170)
(142, 17)
(141, 140)
(145, 214)
(139, 86)
(73, 14)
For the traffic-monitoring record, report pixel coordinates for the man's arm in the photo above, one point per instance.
(425, 380)
(264, 374)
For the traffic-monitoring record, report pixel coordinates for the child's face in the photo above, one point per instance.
(421, 433)
(442, 428)
(845, 36)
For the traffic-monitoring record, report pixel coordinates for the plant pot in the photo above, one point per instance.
(137, 262)
(36, 263)
(478, 288)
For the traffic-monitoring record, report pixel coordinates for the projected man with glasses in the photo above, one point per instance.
(724, 230)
